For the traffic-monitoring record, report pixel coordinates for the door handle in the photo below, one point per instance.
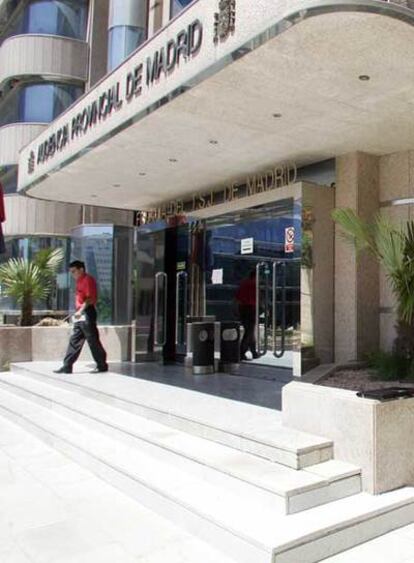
(160, 276)
(184, 276)
(259, 351)
(280, 353)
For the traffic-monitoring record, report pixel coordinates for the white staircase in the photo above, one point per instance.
(228, 472)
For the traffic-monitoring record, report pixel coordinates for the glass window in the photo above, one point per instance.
(67, 18)
(37, 103)
(93, 244)
(178, 5)
(123, 40)
(8, 179)
(58, 299)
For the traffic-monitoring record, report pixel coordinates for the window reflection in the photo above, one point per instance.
(178, 5)
(27, 248)
(94, 245)
(67, 18)
(8, 179)
(37, 103)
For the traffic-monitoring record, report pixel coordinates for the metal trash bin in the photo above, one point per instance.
(188, 360)
(202, 339)
(229, 346)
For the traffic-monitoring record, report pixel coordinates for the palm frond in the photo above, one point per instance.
(354, 230)
(49, 260)
(390, 244)
(21, 279)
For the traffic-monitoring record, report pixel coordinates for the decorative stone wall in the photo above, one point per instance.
(26, 344)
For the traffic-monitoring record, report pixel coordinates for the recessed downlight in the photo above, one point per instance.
(364, 77)
(172, 159)
(116, 185)
(213, 142)
(277, 115)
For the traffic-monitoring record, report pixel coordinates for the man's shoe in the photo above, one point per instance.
(255, 355)
(63, 369)
(100, 370)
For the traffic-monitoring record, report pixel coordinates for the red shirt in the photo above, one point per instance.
(2, 210)
(86, 289)
(246, 294)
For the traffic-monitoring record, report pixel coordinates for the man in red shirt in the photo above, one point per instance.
(2, 219)
(246, 296)
(85, 322)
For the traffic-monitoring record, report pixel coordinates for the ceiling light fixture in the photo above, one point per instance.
(116, 185)
(172, 159)
(277, 115)
(213, 142)
(142, 173)
(364, 77)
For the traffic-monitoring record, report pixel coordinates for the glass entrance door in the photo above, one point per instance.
(277, 308)
(168, 287)
(253, 275)
(151, 292)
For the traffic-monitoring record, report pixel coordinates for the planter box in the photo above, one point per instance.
(27, 344)
(375, 436)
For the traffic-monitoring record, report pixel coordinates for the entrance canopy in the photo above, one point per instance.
(201, 105)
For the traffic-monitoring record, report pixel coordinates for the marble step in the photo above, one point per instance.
(295, 490)
(249, 428)
(240, 526)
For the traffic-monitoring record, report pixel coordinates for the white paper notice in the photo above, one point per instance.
(247, 246)
(217, 276)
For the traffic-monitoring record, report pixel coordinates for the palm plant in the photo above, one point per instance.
(393, 248)
(28, 281)
(49, 260)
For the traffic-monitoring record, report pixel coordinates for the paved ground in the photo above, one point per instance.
(54, 511)
(256, 385)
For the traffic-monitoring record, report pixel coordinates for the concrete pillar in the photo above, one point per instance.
(130, 18)
(356, 283)
(98, 40)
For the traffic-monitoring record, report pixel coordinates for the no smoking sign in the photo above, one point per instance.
(290, 239)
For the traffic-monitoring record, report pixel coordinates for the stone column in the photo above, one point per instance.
(356, 283)
(127, 25)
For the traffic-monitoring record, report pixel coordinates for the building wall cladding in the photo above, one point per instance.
(25, 58)
(396, 194)
(62, 58)
(365, 307)
(15, 136)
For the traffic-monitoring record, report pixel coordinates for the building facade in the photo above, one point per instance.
(51, 53)
(232, 130)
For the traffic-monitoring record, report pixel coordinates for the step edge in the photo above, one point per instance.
(282, 493)
(161, 492)
(331, 530)
(275, 550)
(323, 444)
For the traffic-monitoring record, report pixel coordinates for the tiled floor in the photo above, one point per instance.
(54, 511)
(256, 385)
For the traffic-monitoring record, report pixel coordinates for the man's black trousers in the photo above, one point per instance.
(248, 320)
(85, 330)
